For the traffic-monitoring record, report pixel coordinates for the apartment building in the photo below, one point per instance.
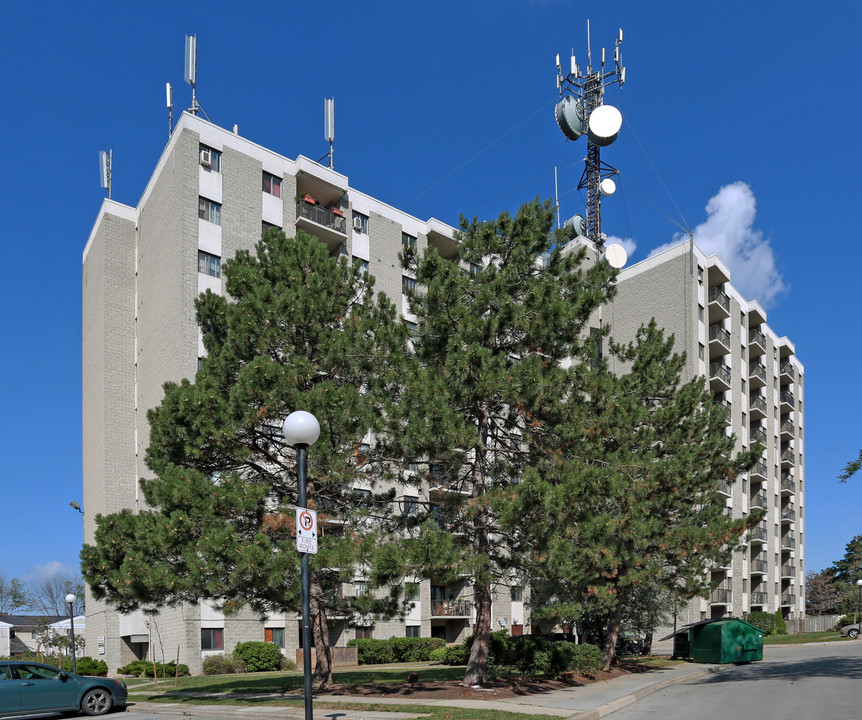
(211, 194)
(755, 375)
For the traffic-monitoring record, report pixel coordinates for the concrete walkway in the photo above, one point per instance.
(588, 702)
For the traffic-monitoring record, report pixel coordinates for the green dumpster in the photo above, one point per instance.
(726, 640)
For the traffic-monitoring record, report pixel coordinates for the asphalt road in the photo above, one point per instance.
(807, 682)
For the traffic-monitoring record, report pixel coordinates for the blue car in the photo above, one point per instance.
(30, 687)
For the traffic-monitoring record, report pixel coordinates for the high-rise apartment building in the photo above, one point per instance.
(211, 194)
(756, 377)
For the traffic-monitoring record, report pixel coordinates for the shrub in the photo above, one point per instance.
(438, 654)
(845, 620)
(86, 666)
(407, 649)
(144, 668)
(765, 621)
(223, 665)
(457, 655)
(258, 656)
(586, 660)
(780, 624)
(287, 664)
(532, 655)
(373, 651)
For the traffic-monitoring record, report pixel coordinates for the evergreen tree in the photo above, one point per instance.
(626, 497)
(299, 330)
(849, 568)
(490, 346)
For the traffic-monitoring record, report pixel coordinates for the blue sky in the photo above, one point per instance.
(442, 109)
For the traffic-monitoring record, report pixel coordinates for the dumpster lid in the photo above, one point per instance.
(708, 621)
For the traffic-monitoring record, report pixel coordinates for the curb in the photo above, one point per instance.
(620, 703)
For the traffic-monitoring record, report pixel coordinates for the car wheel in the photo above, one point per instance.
(854, 633)
(96, 702)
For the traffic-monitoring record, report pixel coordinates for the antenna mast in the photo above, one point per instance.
(329, 127)
(106, 159)
(581, 111)
(169, 92)
(191, 69)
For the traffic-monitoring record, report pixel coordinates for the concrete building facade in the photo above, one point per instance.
(211, 194)
(756, 376)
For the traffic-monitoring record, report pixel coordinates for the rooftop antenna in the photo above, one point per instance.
(581, 112)
(329, 128)
(191, 69)
(105, 161)
(169, 93)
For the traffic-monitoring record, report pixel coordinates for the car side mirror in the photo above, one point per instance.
(63, 675)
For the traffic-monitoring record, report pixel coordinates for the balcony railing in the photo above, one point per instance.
(755, 336)
(725, 487)
(758, 534)
(788, 570)
(788, 599)
(757, 402)
(719, 334)
(759, 500)
(717, 296)
(759, 566)
(757, 370)
(788, 456)
(788, 515)
(450, 608)
(787, 399)
(758, 434)
(787, 369)
(721, 371)
(320, 215)
(759, 598)
(721, 596)
(759, 468)
(787, 483)
(788, 543)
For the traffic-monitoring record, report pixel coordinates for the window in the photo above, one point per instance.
(744, 585)
(412, 467)
(209, 264)
(700, 350)
(360, 588)
(360, 222)
(408, 284)
(700, 312)
(212, 638)
(363, 633)
(475, 268)
(363, 264)
(411, 631)
(210, 158)
(408, 241)
(274, 636)
(271, 184)
(268, 226)
(700, 274)
(410, 505)
(209, 211)
(517, 594)
(743, 385)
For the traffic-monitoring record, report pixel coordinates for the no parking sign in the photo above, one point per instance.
(306, 530)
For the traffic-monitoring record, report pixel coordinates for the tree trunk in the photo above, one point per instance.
(322, 677)
(648, 643)
(478, 661)
(612, 633)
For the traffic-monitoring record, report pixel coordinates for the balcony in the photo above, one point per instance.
(758, 472)
(756, 343)
(719, 376)
(757, 406)
(788, 599)
(758, 500)
(788, 543)
(788, 571)
(725, 488)
(788, 458)
(719, 340)
(787, 402)
(759, 598)
(719, 303)
(721, 596)
(788, 486)
(325, 224)
(787, 372)
(757, 374)
(759, 567)
(788, 515)
(788, 430)
(758, 435)
(757, 534)
(724, 406)
(450, 608)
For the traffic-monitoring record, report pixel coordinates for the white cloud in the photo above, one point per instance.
(729, 233)
(51, 569)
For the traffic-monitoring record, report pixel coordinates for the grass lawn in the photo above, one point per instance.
(800, 638)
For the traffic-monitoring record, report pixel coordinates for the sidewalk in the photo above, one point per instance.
(580, 703)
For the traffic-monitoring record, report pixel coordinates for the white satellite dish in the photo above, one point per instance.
(607, 187)
(604, 125)
(616, 255)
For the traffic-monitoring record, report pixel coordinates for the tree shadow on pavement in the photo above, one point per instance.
(830, 666)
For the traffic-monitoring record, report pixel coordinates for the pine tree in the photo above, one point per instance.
(626, 496)
(299, 330)
(490, 345)
(849, 568)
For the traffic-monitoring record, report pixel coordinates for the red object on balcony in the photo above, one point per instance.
(310, 200)
(336, 211)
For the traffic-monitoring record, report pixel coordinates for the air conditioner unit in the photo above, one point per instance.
(206, 157)
(357, 223)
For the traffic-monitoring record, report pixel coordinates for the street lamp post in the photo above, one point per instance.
(70, 599)
(301, 430)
